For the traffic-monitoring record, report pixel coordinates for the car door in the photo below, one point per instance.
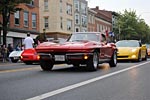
(103, 49)
(143, 51)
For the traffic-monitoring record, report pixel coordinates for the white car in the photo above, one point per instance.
(15, 56)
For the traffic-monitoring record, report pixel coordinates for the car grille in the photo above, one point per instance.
(122, 56)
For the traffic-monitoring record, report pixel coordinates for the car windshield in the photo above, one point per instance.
(84, 37)
(127, 44)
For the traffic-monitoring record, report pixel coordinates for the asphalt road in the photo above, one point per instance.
(127, 81)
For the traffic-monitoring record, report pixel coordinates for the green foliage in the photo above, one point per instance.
(132, 27)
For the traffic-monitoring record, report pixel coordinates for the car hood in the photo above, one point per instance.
(127, 50)
(66, 46)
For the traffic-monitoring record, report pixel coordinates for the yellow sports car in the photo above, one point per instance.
(131, 50)
(148, 49)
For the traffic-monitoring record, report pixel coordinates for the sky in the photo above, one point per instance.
(142, 7)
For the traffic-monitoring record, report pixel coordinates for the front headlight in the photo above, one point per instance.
(134, 50)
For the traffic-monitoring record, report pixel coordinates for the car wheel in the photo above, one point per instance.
(46, 65)
(92, 64)
(146, 55)
(14, 60)
(113, 61)
(139, 57)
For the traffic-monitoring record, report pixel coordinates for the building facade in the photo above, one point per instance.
(81, 15)
(91, 20)
(22, 22)
(58, 21)
(103, 21)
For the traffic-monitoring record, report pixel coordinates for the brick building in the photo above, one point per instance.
(91, 20)
(21, 22)
(103, 21)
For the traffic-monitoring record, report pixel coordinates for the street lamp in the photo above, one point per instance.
(0, 31)
(44, 31)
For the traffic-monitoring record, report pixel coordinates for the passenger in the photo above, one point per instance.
(10, 49)
(28, 42)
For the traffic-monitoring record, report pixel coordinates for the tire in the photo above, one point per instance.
(14, 60)
(46, 65)
(93, 62)
(146, 55)
(139, 57)
(113, 61)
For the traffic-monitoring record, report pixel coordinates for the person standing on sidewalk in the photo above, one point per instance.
(4, 53)
(28, 42)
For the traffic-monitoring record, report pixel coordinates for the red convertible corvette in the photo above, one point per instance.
(82, 48)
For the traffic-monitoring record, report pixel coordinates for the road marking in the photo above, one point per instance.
(61, 90)
(18, 70)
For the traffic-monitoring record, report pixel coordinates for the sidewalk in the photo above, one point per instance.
(1, 62)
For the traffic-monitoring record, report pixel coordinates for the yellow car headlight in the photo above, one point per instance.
(134, 50)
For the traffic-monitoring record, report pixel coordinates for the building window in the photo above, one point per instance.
(61, 22)
(77, 4)
(33, 20)
(45, 5)
(32, 2)
(83, 8)
(26, 17)
(61, 6)
(69, 9)
(84, 21)
(77, 29)
(77, 19)
(46, 23)
(69, 24)
(17, 17)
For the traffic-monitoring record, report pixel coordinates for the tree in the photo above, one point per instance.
(6, 8)
(132, 27)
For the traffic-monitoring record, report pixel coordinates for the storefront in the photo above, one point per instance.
(15, 38)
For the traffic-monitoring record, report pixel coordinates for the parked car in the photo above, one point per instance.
(131, 50)
(82, 48)
(29, 56)
(15, 56)
(148, 49)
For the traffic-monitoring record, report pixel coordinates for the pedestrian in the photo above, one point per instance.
(18, 47)
(10, 49)
(0, 52)
(28, 42)
(4, 53)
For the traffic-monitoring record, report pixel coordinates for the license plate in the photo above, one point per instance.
(59, 58)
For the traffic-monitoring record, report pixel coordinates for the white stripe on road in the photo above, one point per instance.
(55, 92)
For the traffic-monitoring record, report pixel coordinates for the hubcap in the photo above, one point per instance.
(95, 60)
(115, 58)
